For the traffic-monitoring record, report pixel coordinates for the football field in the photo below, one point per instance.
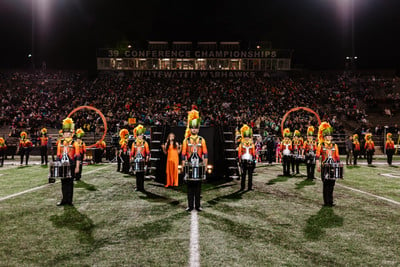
(280, 223)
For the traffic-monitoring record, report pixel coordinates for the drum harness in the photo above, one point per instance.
(194, 158)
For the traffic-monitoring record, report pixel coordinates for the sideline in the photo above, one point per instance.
(194, 260)
(43, 186)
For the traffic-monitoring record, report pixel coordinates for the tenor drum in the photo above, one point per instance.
(60, 170)
(332, 171)
(195, 172)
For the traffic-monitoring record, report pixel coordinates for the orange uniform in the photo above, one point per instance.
(140, 146)
(243, 147)
(69, 146)
(369, 145)
(194, 143)
(325, 150)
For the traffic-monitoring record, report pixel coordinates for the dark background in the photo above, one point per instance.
(68, 32)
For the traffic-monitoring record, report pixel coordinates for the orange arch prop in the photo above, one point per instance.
(296, 109)
(98, 112)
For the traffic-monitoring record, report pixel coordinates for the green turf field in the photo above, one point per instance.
(281, 223)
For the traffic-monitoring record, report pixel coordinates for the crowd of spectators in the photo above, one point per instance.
(42, 99)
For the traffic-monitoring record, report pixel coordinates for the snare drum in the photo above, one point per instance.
(60, 169)
(194, 172)
(332, 171)
(138, 165)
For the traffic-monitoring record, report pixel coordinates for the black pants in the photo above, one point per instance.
(355, 154)
(310, 170)
(389, 153)
(78, 176)
(286, 165)
(140, 181)
(98, 153)
(24, 152)
(119, 162)
(370, 153)
(328, 186)
(67, 187)
(43, 154)
(193, 193)
(247, 168)
(295, 162)
(270, 156)
(1, 158)
(125, 164)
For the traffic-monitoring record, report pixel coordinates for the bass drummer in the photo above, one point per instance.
(194, 150)
(247, 155)
(329, 154)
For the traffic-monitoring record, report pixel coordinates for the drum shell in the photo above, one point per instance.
(138, 165)
(194, 172)
(60, 170)
(332, 171)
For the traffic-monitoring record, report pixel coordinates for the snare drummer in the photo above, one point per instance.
(327, 151)
(297, 145)
(68, 150)
(285, 151)
(140, 148)
(309, 148)
(247, 156)
(194, 146)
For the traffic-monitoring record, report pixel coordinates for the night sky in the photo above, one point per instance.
(67, 32)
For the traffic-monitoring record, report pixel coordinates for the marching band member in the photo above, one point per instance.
(389, 147)
(296, 150)
(247, 156)
(285, 150)
(369, 147)
(140, 150)
(24, 147)
(99, 152)
(309, 148)
(356, 148)
(82, 151)
(194, 149)
(43, 139)
(123, 155)
(68, 151)
(327, 152)
(3, 148)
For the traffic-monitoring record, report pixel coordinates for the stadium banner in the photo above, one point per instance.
(193, 74)
(116, 53)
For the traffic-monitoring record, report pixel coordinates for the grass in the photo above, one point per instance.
(281, 223)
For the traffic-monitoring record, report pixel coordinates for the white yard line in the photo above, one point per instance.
(42, 186)
(194, 260)
(369, 194)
